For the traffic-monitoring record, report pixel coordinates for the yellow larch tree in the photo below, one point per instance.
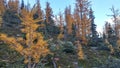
(2, 10)
(2, 6)
(118, 44)
(79, 51)
(116, 20)
(110, 37)
(39, 10)
(0, 20)
(110, 47)
(33, 47)
(68, 19)
(60, 23)
(82, 21)
(48, 12)
(13, 5)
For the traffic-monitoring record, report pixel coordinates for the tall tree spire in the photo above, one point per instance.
(82, 20)
(39, 11)
(49, 13)
(93, 25)
(2, 6)
(68, 19)
(22, 4)
(13, 5)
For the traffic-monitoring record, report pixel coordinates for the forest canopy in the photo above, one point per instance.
(31, 37)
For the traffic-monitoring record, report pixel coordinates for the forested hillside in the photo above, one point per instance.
(31, 37)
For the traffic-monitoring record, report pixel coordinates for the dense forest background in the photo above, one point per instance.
(35, 38)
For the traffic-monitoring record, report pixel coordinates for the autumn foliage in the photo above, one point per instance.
(81, 20)
(45, 40)
(33, 47)
(69, 20)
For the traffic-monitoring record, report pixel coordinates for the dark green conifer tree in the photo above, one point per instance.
(94, 34)
(22, 4)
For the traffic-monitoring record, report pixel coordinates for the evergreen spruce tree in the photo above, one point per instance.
(22, 4)
(110, 34)
(49, 14)
(50, 28)
(94, 34)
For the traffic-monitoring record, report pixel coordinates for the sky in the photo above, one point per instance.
(101, 8)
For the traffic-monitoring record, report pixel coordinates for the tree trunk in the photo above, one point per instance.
(29, 65)
(54, 64)
(34, 65)
(29, 62)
